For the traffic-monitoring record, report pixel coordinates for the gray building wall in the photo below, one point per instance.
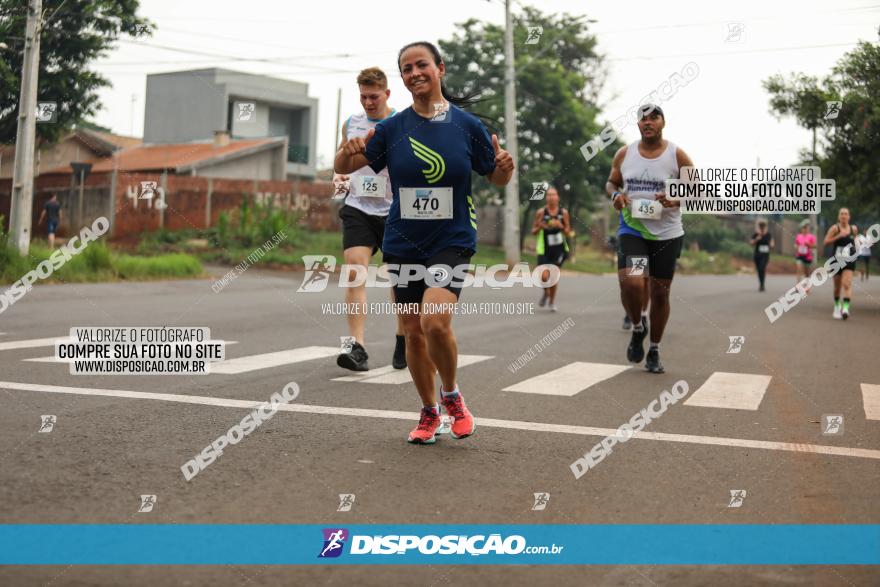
(183, 107)
(187, 106)
(256, 166)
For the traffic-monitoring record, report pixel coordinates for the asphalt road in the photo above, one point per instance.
(348, 437)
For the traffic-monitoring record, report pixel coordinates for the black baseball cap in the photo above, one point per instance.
(646, 109)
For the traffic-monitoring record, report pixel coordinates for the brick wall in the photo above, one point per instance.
(192, 202)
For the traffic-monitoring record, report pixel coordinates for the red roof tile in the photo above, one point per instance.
(168, 156)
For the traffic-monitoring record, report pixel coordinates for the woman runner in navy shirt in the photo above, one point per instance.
(430, 150)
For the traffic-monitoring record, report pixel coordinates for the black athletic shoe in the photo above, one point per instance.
(635, 352)
(356, 360)
(399, 360)
(652, 363)
(627, 323)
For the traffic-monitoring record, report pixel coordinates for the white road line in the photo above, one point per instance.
(52, 359)
(367, 374)
(863, 453)
(735, 391)
(267, 360)
(388, 375)
(871, 401)
(31, 343)
(568, 380)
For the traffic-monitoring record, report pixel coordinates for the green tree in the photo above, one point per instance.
(848, 145)
(74, 34)
(557, 83)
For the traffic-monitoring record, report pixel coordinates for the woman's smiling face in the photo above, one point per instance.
(420, 74)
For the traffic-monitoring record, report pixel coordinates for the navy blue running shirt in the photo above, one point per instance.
(420, 153)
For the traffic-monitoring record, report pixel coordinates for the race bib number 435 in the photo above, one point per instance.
(425, 203)
(647, 209)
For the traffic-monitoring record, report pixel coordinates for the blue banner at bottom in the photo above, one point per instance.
(487, 544)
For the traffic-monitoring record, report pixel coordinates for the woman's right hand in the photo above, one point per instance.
(357, 145)
(621, 201)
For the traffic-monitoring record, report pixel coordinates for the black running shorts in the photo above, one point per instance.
(360, 229)
(414, 291)
(662, 254)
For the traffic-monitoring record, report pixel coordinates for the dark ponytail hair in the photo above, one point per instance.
(465, 101)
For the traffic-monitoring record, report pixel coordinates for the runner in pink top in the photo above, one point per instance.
(805, 246)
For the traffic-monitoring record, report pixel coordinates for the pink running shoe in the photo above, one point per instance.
(463, 422)
(424, 433)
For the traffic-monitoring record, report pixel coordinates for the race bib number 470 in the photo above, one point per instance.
(425, 203)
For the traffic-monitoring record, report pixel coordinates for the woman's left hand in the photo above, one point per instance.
(503, 160)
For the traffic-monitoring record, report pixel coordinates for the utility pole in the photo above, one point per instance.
(337, 130)
(21, 205)
(511, 191)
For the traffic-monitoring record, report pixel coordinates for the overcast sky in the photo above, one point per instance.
(721, 118)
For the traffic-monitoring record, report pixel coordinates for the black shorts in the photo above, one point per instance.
(803, 260)
(553, 256)
(414, 290)
(661, 255)
(360, 229)
(851, 266)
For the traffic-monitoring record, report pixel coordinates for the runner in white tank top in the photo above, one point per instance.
(372, 196)
(651, 233)
(363, 218)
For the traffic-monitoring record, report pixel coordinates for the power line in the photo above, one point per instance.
(725, 53)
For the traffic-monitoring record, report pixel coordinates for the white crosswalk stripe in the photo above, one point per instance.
(568, 380)
(276, 359)
(388, 375)
(735, 391)
(31, 343)
(871, 401)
